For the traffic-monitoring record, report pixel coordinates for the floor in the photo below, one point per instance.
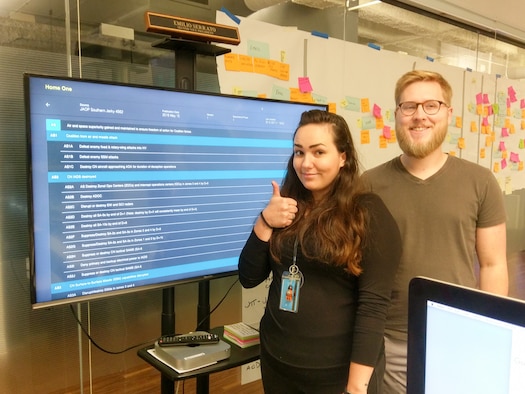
(146, 380)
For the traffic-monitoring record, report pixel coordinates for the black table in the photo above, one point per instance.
(238, 356)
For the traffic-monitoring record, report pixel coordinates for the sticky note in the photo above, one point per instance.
(304, 84)
(376, 111)
(365, 105)
(387, 132)
(514, 157)
(382, 142)
(365, 137)
(461, 143)
(479, 98)
(473, 126)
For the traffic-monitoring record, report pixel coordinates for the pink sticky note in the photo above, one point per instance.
(479, 99)
(305, 85)
(486, 98)
(387, 132)
(503, 164)
(514, 157)
(377, 111)
(504, 132)
(522, 103)
(511, 91)
(502, 146)
(485, 121)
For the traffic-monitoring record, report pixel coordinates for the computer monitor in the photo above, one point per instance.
(463, 340)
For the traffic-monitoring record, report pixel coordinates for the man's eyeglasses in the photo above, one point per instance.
(431, 107)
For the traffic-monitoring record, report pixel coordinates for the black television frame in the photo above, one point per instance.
(68, 119)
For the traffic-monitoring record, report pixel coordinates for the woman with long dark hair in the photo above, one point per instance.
(333, 251)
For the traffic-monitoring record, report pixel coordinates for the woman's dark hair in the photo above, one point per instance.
(333, 230)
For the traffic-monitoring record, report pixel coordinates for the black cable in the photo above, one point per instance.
(90, 338)
(100, 347)
(218, 304)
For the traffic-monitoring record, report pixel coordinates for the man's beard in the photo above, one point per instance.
(419, 149)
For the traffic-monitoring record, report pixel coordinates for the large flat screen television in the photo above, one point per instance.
(134, 187)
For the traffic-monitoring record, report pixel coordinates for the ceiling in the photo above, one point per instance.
(503, 17)
(390, 27)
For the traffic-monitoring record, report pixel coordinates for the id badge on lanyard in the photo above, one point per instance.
(292, 280)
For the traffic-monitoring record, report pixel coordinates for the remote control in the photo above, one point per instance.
(190, 339)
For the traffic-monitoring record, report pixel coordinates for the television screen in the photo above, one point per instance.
(134, 187)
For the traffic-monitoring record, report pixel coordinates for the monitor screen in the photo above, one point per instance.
(134, 187)
(463, 340)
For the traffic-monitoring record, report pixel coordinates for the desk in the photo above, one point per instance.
(238, 357)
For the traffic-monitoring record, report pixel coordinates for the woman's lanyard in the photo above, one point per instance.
(292, 280)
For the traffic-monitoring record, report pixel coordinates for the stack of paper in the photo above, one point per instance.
(241, 334)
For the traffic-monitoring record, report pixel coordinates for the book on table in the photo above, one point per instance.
(241, 334)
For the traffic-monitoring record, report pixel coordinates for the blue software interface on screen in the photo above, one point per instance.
(134, 186)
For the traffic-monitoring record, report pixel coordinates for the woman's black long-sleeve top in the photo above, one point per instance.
(340, 317)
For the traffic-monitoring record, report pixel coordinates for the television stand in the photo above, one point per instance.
(186, 52)
(238, 357)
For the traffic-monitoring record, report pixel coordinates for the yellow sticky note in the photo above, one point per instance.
(245, 63)
(479, 109)
(496, 167)
(284, 72)
(520, 166)
(482, 153)
(231, 62)
(260, 66)
(332, 107)
(365, 105)
(459, 121)
(382, 142)
(473, 126)
(365, 137)
(461, 143)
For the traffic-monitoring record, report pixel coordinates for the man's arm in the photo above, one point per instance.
(491, 248)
